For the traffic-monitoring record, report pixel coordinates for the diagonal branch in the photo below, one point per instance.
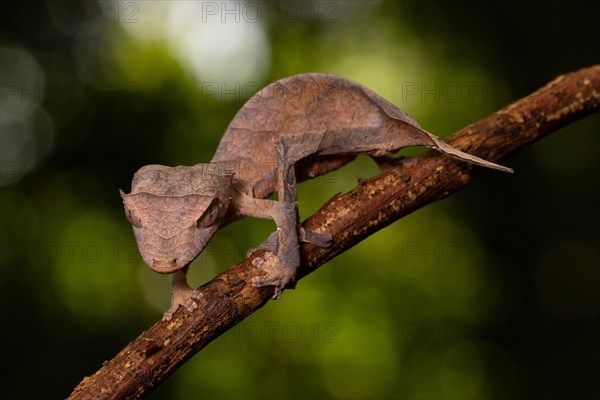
(229, 298)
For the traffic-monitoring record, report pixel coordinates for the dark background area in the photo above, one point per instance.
(492, 293)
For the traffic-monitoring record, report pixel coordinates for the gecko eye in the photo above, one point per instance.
(210, 216)
(135, 221)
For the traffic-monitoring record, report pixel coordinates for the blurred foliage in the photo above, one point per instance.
(493, 293)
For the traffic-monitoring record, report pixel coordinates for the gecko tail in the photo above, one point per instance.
(450, 151)
(445, 148)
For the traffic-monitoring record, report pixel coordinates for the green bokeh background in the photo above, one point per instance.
(492, 293)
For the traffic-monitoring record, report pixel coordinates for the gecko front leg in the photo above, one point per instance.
(181, 295)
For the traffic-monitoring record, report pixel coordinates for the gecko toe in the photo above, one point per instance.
(274, 274)
(196, 295)
(190, 305)
(321, 239)
(259, 281)
(168, 315)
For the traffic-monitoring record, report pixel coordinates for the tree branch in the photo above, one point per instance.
(229, 298)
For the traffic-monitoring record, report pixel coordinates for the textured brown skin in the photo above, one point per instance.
(151, 358)
(326, 121)
(294, 129)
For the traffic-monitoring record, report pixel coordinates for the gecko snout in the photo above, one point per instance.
(166, 266)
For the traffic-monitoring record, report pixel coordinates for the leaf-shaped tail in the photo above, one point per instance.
(450, 151)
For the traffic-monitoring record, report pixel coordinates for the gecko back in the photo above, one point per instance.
(325, 121)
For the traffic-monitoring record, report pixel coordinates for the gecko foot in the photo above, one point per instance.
(276, 274)
(321, 239)
(185, 297)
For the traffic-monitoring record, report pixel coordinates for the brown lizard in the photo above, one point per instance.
(294, 129)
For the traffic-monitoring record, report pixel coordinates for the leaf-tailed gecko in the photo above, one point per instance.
(294, 129)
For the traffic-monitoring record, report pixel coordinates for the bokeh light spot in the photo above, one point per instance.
(26, 130)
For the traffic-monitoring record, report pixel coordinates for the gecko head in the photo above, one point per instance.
(173, 219)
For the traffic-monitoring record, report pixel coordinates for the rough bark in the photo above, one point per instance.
(229, 298)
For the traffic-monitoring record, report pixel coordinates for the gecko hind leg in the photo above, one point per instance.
(385, 163)
(280, 271)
